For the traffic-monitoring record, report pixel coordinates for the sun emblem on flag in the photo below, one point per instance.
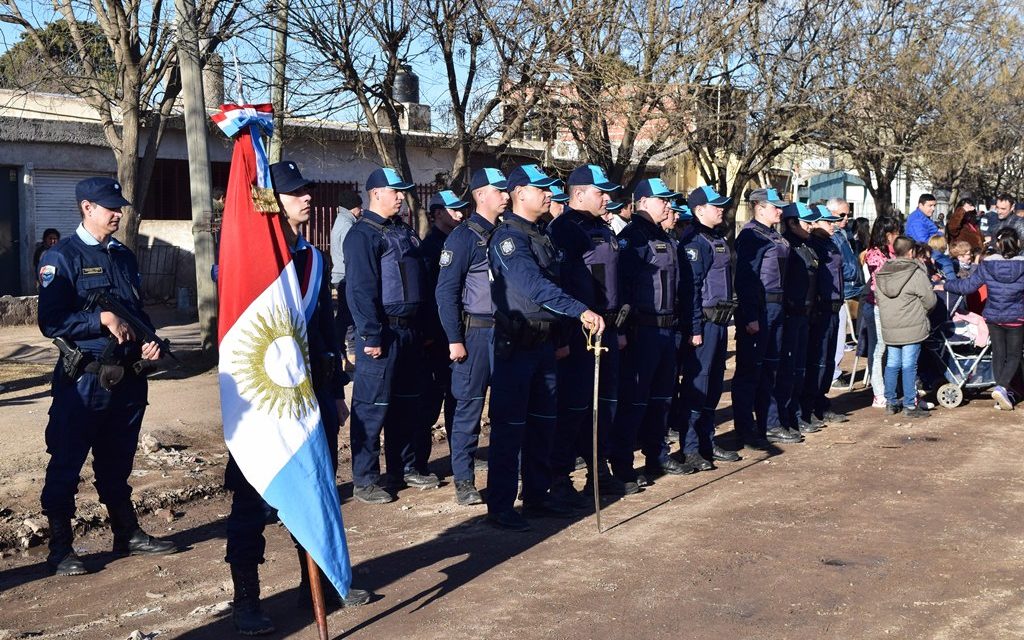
(273, 367)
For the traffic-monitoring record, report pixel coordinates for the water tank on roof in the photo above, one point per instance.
(407, 85)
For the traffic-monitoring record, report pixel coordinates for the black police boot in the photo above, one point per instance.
(129, 538)
(332, 599)
(63, 561)
(246, 614)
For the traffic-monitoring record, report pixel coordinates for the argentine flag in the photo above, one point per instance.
(272, 422)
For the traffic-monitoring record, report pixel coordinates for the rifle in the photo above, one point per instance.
(142, 331)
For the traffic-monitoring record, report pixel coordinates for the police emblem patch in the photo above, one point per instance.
(623, 243)
(507, 247)
(46, 274)
(446, 258)
(691, 255)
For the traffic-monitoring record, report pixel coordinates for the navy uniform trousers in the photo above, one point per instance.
(792, 370)
(386, 397)
(648, 386)
(86, 416)
(523, 410)
(575, 429)
(757, 363)
(704, 368)
(470, 379)
(821, 362)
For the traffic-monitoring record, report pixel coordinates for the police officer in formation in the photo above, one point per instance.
(467, 316)
(815, 408)
(707, 308)
(249, 512)
(761, 258)
(447, 210)
(589, 263)
(649, 276)
(99, 384)
(529, 307)
(799, 301)
(386, 291)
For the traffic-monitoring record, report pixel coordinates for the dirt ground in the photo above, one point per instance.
(871, 529)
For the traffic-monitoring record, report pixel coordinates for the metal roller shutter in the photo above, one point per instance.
(55, 200)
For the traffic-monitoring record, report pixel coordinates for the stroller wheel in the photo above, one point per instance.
(950, 395)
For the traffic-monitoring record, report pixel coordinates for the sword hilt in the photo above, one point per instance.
(593, 341)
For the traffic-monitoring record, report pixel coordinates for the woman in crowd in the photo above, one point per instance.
(1003, 274)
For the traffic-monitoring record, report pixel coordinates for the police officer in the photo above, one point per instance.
(707, 299)
(447, 210)
(467, 315)
(678, 413)
(800, 296)
(823, 324)
(649, 281)
(761, 257)
(589, 274)
(559, 198)
(528, 306)
(99, 397)
(612, 218)
(386, 289)
(249, 512)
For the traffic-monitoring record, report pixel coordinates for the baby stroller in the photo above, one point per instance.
(953, 343)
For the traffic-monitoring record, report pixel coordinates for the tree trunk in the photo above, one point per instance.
(127, 175)
(279, 79)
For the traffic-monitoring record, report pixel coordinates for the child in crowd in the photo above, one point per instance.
(941, 261)
(883, 234)
(1003, 274)
(962, 254)
(904, 296)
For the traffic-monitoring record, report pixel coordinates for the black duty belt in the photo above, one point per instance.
(477, 322)
(721, 313)
(773, 298)
(652, 320)
(401, 322)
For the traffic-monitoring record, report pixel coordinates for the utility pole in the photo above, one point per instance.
(278, 78)
(198, 172)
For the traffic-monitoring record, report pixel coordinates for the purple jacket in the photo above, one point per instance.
(1005, 280)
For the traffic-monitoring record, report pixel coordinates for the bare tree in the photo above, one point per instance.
(135, 102)
(916, 69)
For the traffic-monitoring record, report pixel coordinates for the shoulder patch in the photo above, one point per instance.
(623, 243)
(446, 258)
(692, 254)
(507, 247)
(46, 274)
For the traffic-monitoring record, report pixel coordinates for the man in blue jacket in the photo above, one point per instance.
(920, 226)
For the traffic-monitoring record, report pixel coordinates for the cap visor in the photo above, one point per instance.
(298, 184)
(113, 202)
(720, 202)
(401, 186)
(544, 184)
(458, 205)
(779, 203)
(608, 186)
(501, 185)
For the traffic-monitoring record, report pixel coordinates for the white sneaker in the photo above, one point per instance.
(878, 402)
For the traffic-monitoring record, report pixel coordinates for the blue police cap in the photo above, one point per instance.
(386, 177)
(682, 210)
(286, 178)
(530, 175)
(614, 206)
(488, 176)
(826, 215)
(706, 195)
(591, 174)
(558, 194)
(105, 192)
(771, 196)
(802, 211)
(653, 188)
(447, 199)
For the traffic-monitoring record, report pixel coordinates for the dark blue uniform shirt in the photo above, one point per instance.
(590, 266)
(69, 272)
(761, 255)
(705, 274)
(463, 284)
(648, 268)
(384, 274)
(525, 266)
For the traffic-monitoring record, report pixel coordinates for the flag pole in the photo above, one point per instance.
(317, 590)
